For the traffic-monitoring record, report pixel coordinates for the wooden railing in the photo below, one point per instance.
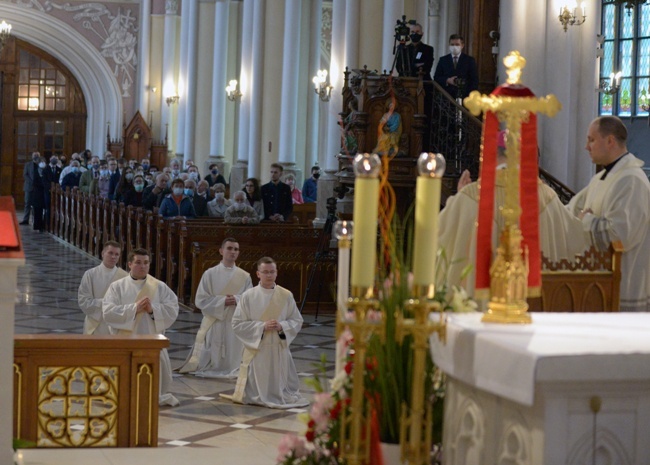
(87, 222)
(87, 391)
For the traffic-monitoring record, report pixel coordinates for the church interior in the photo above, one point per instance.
(247, 83)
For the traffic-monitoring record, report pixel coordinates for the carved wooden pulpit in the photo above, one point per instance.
(137, 143)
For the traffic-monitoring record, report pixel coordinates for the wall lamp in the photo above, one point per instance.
(232, 92)
(610, 86)
(572, 18)
(5, 32)
(321, 86)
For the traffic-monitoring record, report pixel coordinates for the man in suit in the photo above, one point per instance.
(276, 195)
(114, 176)
(457, 72)
(29, 173)
(421, 54)
(89, 175)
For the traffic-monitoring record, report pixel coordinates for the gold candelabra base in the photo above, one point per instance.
(507, 313)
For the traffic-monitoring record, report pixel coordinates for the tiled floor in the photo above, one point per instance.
(47, 302)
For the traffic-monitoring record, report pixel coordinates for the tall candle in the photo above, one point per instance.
(366, 203)
(427, 207)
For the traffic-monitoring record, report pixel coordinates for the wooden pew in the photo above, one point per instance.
(304, 213)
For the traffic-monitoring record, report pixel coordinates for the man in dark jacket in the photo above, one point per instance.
(276, 195)
(457, 72)
(29, 174)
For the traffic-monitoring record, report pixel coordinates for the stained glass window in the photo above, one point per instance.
(626, 48)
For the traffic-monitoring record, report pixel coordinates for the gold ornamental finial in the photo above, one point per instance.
(514, 64)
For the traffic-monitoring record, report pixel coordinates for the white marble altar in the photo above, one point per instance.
(567, 389)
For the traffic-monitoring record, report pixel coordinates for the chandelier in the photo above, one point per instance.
(5, 32)
(630, 5)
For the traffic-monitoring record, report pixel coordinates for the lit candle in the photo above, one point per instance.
(427, 207)
(343, 231)
(366, 202)
(618, 78)
(611, 80)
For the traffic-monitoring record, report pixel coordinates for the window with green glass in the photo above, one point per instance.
(626, 27)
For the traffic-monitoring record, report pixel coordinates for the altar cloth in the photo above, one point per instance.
(508, 360)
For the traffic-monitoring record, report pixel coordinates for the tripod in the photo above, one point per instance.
(402, 59)
(321, 252)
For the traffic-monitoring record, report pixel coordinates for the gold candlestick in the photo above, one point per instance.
(416, 421)
(509, 271)
(355, 447)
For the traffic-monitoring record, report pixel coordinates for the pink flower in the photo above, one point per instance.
(320, 411)
(291, 443)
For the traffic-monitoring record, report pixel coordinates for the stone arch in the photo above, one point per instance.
(608, 449)
(99, 86)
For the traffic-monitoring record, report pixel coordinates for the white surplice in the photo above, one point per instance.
(560, 234)
(92, 289)
(272, 377)
(621, 211)
(221, 353)
(120, 314)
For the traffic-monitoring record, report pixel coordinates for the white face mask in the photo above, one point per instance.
(239, 206)
(42, 164)
(455, 49)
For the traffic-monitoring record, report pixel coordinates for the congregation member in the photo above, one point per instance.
(38, 195)
(140, 304)
(94, 285)
(203, 190)
(310, 186)
(200, 204)
(125, 190)
(193, 173)
(30, 171)
(457, 72)
(89, 175)
(217, 207)
(145, 164)
(71, 180)
(276, 196)
(267, 320)
(67, 169)
(254, 195)
(51, 175)
(560, 235)
(214, 177)
(239, 212)
(100, 185)
(296, 195)
(175, 167)
(114, 177)
(177, 203)
(152, 195)
(188, 163)
(217, 351)
(615, 206)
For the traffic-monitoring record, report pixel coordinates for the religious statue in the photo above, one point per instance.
(390, 131)
(349, 144)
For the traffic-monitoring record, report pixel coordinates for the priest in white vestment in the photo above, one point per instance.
(94, 284)
(217, 351)
(267, 320)
(615, 206)
(140, 304)
(560, 233)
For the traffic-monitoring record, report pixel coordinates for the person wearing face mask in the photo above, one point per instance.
(132, 193)
(71, 180)
(420, 54)
(51, 175)
(153, 195)
(240, 212)
(296, 195)
(114, 176)
(310, 186)
(457, 72)
(66, 170)
(215, 177)
(125, 190)
(29, 174)
(203, 189)
(88, 176)
(218, 206)
(145, 164)
(100, 185)
(38, 195)
(193, 174)
(177, 203)
(200, 204)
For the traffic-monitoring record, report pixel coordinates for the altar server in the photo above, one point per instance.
(217, 351)
(94, 284)
(140, 304)
(267, 320)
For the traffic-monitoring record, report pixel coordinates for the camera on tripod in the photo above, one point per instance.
(402, 30)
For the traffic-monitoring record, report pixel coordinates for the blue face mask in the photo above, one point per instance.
(177, 190)
(189, 192)
(75, 169)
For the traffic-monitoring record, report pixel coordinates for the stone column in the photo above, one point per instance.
(352, 9)
(219, 69)
(329, 162)
(142, 95)
(257, 78)
(313, 104)
(190, 85)
(393, 10)
(168, 72)
(239, 172)
(181, 85)
(290, 86)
